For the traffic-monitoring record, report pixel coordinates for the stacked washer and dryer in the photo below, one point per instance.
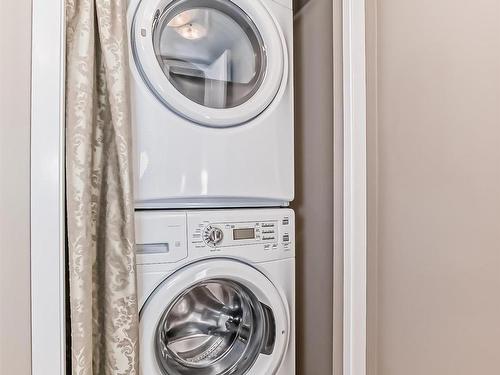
(212, 106)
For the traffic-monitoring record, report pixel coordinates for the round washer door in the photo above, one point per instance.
(218, 63)
(215, 317)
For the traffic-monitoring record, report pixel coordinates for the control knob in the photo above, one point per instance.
(213, 236)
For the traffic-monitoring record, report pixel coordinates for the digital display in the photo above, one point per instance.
(244, 234)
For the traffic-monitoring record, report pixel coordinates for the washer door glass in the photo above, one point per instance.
(216, 327)
(210, 51)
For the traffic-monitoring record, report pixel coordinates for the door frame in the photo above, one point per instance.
(354, 188)
(47, 188)
(48, 331)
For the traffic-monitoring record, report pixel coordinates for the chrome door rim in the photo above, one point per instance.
(197, 272)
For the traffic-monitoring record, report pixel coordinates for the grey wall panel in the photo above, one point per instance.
(314, 186)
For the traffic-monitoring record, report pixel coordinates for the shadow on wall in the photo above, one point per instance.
(298, 4)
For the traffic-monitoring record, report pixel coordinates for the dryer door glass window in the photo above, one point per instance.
(210, 51)
(216, 327)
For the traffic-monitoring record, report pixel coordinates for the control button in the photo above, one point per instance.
(286, 221)
(213, 236)
(267, 225)
(286, 238)
(266, 247)
(269, 238)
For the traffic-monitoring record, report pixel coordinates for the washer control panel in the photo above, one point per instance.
(258, 235)
(249, 231)
(237, 234)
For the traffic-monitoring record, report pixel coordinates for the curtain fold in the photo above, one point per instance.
(100, 228)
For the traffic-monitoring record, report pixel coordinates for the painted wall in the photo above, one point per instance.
(314, 185)
(434, 180)
(15, 39)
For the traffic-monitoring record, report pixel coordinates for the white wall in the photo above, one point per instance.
(15, 60)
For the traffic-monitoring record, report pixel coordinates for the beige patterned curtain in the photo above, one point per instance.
(103, 303)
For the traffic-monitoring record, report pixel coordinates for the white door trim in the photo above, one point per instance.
(47, 189)
(355, 216)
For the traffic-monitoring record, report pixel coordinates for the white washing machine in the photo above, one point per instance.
(216, 292)
(212, 102)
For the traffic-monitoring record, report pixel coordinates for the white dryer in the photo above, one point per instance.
(212, 102)
(216, 292)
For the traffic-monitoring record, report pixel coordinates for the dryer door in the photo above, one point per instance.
(216, 62)
(216, 317)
